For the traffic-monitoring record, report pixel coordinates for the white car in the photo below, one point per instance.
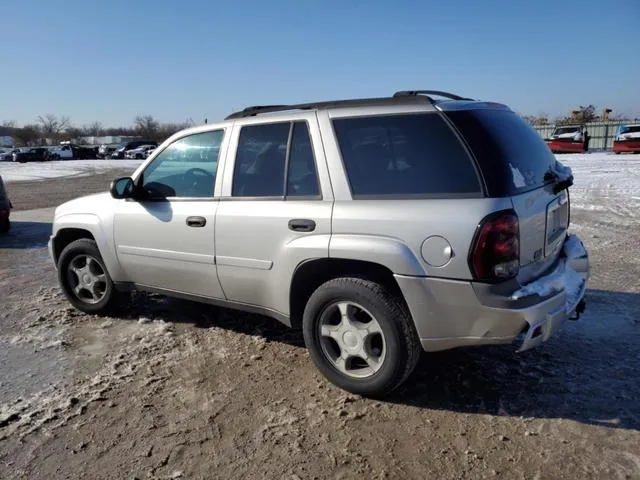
(7, 155)
(140, 153)
(62, 152)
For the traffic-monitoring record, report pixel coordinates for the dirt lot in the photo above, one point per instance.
(171, 389)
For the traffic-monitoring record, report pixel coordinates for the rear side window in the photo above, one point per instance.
(268, 152)
(404, 155)
(511, 154)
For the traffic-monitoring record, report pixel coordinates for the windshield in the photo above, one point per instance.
(563, 130)
(630, 129)
(511, 154)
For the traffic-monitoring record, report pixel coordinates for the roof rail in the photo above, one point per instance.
(357, 102)
(413, 93)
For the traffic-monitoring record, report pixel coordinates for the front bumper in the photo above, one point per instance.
(51, 250)
(568, 146)
(626, 146)
(450, 313)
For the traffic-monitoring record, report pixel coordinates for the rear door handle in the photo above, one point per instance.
(302, 225)
(196, 221)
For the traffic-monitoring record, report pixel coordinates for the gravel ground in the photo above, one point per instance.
(52, 192)
(172, 389)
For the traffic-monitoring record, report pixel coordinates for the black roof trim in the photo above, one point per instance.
(358, 102)
(414, 93)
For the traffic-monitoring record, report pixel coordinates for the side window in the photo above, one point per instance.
(302, 176)
(260, 161)
(186, 168)
(406, 154)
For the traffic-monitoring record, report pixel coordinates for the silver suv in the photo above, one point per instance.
(381, 227)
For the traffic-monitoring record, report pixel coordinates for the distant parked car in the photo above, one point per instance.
(70, 151)
(105, 151)
(627, 139)
(125, 147)
(37, 154)
(5, 209)
(140, 153)
(7, 155)
(567, 139)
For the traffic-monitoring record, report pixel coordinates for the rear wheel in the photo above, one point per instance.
(84, 277)
(360, 336)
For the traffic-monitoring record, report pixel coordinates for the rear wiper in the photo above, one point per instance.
(560, 182)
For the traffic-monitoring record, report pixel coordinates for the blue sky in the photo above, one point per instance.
(111, 60)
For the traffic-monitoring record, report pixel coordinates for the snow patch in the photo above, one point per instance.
(563, 278)
(21, 172)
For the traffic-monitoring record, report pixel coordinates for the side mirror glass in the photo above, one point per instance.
(122, 188)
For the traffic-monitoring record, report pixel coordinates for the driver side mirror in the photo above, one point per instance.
(122, 188)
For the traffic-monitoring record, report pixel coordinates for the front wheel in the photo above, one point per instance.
(5, 225)
(360, 336)
(84, 278)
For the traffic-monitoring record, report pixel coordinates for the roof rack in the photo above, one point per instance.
(414, 93)
(358, 102)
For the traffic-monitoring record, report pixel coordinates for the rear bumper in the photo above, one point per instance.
(450, 313)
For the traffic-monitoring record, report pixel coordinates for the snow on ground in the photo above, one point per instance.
(19, 172)
(605, 182)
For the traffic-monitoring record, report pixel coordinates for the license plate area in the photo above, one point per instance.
(556, 225)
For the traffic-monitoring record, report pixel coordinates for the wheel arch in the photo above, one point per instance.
(310, 274)
(67, 235)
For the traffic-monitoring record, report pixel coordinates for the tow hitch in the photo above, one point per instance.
(579, 310)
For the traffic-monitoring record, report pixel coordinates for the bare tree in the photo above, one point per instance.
(74, 134)
(582, 114)
(93, 129)
(146, 126)
(165, 130)
(541, 119)
(8, 124)
(52, 126)
(27, 135)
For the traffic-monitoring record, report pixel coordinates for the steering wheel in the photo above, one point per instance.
(196, 178)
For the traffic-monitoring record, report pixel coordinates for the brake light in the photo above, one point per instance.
(495, 255)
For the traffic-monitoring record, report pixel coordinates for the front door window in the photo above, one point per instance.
(185, 169)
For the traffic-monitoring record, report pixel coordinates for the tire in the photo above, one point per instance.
(5, 225)
(97, 293)
(394, 347)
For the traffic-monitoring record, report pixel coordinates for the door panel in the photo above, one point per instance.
(257, 253)
(156, 247)
(166, 237)
(274, 173)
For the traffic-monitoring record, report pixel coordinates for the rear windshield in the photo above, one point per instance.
(404, 155)
(511, 154)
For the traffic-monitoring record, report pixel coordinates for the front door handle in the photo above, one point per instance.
(196, 221)
(302, 225)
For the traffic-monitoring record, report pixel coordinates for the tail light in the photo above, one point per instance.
(495, 253)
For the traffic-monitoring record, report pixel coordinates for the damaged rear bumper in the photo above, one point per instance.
(567, 283)
(452, 313)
